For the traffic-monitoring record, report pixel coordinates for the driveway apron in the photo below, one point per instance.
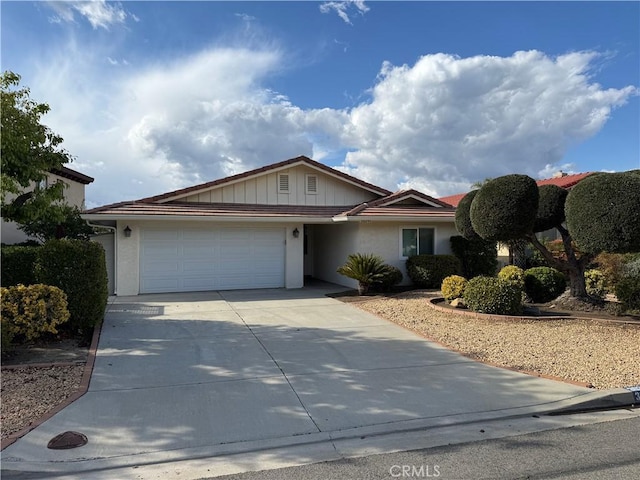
(184, 371)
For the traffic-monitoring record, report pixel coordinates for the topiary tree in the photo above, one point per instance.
(505, 208)
(602, 213)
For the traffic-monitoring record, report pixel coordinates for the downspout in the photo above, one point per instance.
(115, 252)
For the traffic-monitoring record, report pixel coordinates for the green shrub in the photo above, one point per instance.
(493, 295)
(30, 311)
(77, 267)
(512, 274)
(368, 269)
(477, 257)
(391, 277)
(18, 265)
(543, 284)
(628, 292)
(428, 271)
(596, 286)
(453, 287)
(628, 287)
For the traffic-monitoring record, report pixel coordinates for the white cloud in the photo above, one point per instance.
(98, 13)
(437, 125)
(344, 8)
(449, 120)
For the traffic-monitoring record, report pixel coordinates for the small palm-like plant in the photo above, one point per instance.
(366, 268)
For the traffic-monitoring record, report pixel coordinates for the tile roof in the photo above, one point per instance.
(193, 209)
(267, 168)
(66, 172)
(453, 200)
(405, 194)
(389, 205)
(567, 181)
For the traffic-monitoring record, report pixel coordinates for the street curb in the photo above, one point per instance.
(82, 388)
(615, 398)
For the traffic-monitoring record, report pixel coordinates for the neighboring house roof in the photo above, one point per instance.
(453, 200)
(66, 172)
(401, 205)
(564, 181)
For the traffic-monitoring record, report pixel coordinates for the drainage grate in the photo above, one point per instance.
(67, 440)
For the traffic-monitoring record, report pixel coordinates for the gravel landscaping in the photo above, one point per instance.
(598, 353)
(30, 392)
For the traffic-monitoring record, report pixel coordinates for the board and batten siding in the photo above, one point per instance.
(263, 190)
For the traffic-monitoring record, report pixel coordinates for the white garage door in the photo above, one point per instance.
(220, 258)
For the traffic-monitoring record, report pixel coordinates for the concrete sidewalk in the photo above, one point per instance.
(181, 376)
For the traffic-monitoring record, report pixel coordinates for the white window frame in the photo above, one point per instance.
(306, 183)
(417, 228)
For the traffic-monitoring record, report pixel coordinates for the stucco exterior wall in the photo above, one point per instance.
(73, 195)
(384, 239)
(333, 243)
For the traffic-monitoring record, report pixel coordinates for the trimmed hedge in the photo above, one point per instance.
(493, 295)
(628, 292)
(453, 287)
(543, 284)
(391, 277)
(428, 271)
(478, 256)
(18, 265)
(78, 268)
(31, 311)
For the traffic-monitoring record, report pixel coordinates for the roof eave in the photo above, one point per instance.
(208, 218)
(392, 218)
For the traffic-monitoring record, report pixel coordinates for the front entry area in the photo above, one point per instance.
(211, 258)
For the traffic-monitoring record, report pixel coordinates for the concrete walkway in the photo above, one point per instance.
(194, 375)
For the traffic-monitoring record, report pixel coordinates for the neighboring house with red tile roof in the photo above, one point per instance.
(267, 228)
(74, 195)
(561, 179)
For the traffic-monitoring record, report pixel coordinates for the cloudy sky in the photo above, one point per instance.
(154, 96)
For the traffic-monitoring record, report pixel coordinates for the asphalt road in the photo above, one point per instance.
(608, 450)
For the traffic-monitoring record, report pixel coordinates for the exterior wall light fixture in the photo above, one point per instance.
(127, 231)
(296, 232)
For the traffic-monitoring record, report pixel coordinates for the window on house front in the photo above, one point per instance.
(417, 241)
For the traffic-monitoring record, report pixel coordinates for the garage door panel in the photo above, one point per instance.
(216, 258)
(162, 235)
(161, 267)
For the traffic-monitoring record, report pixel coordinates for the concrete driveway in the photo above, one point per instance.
(222, 372)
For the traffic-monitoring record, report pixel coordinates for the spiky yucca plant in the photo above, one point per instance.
(366, 268)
